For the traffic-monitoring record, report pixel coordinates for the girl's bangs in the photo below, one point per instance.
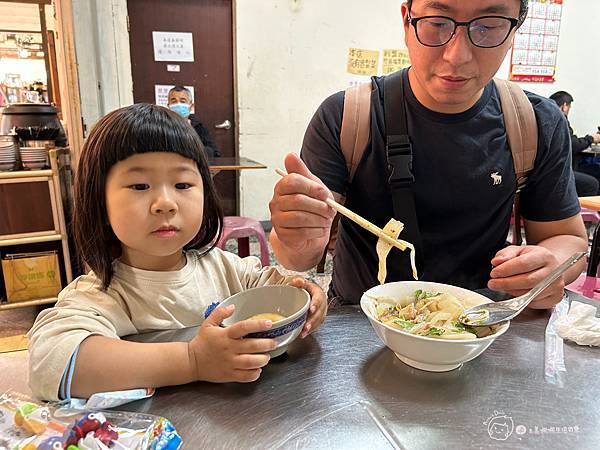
(152, 129)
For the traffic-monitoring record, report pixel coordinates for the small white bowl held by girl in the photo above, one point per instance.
(287, 306)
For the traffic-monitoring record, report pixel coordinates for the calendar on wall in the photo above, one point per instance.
(536, 43)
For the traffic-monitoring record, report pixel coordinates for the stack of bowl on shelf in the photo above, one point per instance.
(34, 154)
(9, 150)
(38, 130)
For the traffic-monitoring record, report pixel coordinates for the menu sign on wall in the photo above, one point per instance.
(536, 43)
(394, 60)
(363, 62)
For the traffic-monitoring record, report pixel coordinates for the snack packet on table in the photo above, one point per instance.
(28, 425)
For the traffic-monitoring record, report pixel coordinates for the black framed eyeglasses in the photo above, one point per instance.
(483, 32)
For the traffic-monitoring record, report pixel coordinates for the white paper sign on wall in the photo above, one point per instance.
(173, 46)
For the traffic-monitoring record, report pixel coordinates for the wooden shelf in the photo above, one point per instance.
(41, 301)
(30, 240)
(47, 215)
(26, 174)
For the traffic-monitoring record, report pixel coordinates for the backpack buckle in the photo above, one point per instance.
(399, 155)
(521, 182)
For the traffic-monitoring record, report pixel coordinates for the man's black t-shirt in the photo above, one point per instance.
(464, 187)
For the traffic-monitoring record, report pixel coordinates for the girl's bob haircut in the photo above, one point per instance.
(139, 128)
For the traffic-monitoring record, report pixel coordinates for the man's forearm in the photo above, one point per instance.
(107, 364)
(295, 260)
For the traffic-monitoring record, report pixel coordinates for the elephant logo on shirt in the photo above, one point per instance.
(497, 178)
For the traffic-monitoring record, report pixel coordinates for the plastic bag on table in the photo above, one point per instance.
(28, 425)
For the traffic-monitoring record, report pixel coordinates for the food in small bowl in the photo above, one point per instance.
(273, 317)
(418, 321)
(287, 306)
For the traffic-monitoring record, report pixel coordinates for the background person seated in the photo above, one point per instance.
(180, 101)
(586, 185)
(585, 166)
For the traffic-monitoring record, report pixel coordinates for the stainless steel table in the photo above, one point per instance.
(342, 388)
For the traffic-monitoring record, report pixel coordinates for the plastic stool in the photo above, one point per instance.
(589, 215)
(241, 228)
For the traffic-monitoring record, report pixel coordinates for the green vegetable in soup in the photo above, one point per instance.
(404, 324)
(422, 295)
(462, 327)
(434, 331)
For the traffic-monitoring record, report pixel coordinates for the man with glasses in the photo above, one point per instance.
(464, 179)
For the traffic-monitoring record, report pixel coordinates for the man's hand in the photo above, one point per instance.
(301, 219)
(518, 269)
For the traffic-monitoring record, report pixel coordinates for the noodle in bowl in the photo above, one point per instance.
(433, 352)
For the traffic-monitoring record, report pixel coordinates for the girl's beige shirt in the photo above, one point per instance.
(136, 301)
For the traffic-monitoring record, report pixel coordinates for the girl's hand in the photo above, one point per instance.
(318, 305)
(220, 354)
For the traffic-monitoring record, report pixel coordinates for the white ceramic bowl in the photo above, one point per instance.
(422, 352)
(289, 301)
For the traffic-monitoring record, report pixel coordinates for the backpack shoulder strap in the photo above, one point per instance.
(356, 125)
(521, 128)
(354, 136)
(522, 133)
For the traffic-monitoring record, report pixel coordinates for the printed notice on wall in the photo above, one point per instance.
(363, 62)
(394, 60)
(170, 46)
(161, 93)
(536, 43)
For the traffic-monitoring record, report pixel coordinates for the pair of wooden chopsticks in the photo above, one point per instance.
(359, 220)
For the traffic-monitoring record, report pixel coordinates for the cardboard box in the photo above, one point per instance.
(31, 276)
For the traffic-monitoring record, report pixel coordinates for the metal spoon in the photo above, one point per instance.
(496, 312)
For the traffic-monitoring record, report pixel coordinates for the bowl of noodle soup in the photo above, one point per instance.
(418, 321)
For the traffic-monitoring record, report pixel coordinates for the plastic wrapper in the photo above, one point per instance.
(28, 425)
(580, 324)
(554, 357)
(105, 400)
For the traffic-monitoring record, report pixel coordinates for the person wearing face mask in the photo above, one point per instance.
(180, 101)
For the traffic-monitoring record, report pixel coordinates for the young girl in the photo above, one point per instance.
(146, 220)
